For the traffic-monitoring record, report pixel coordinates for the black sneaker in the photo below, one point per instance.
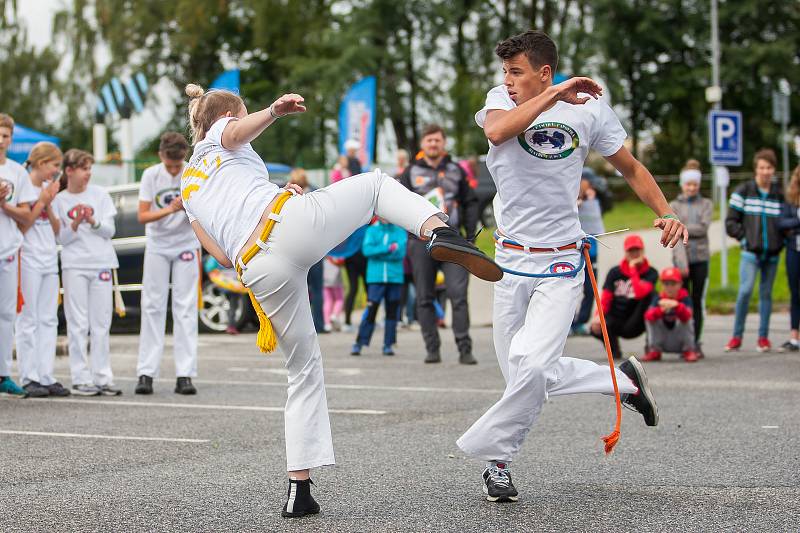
(145, 385)
(58, 390)
(643, 401)
(448, 245)
(184, 386)
(497, 484)
(109, 390)
(433, 357)
(788, 346)
(299, 501)
(36, 390)
(466, 358)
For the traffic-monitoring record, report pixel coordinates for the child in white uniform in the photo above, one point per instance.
(86, 214)
(37, 323)
(229, 199)
(172, 248)
(539, 137)
(16, 195)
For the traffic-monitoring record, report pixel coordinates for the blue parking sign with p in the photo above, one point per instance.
(725, 138)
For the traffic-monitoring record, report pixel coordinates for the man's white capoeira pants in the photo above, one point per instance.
(37, 326)
(531, 321)
(310, 226)
(185, 272)
(87, 306)
(8, 311)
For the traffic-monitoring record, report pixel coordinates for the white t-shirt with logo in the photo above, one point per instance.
(226, 190)
(21, 192)
(39, 252)
(88, 248)
(538, 173)
(173, 233)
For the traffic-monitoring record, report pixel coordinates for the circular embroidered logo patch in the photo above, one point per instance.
(88, 211)
(549, 140)
(188, 255)
(10, 186)
(560, 268)
(105, 275)
(165, 197)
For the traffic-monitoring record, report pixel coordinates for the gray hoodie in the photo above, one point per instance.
(696, 213)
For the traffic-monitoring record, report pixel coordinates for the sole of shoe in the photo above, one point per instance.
(185, 392)
(85, 393)
(498, 499)
(299, 514)
(763, 349)
(10, 395)
(111, 393)
(478, 264)
(143, 391)
(644, 389)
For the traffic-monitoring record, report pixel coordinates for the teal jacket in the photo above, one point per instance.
(384, 266)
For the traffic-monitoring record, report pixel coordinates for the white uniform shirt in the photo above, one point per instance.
(22, 191)
(88, 247)
(173, 233)
(538, 173)
(226, 190)
(39, 252)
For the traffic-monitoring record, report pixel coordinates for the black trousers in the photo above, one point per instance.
(626, 326)
(695, 283)
(456, 279)
(315, 290)
(356, 266)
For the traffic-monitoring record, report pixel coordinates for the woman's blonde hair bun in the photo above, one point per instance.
(194, 91)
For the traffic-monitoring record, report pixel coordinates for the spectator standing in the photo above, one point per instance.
(299, 177)
(669, 320)
(755, 207)
(692, 259)
(790, 223)
(334, 293)
(591, 217)
(340, 170)
(436, 177)
(402, 162)
(351, 148)
(384, 248)
(626, 295)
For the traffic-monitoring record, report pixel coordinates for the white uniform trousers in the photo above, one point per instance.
(37, 327)
(311, 225)
(8, 311)
(184, 267)
(88, 306)
(531, 320)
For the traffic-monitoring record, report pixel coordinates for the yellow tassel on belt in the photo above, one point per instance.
(267, 339)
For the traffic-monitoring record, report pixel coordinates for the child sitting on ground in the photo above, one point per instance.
(669, 320)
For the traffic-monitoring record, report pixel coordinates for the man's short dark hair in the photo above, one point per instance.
(766, 154)
(537, 46)
(174, 146)
(430, 129)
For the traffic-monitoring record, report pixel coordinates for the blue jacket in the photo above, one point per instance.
(384, 266)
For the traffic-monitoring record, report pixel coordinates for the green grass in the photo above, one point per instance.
(633, 214)
(722, 300)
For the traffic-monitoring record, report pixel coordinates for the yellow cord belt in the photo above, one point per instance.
(267, 339)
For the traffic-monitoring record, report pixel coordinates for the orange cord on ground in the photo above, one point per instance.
(612, 438)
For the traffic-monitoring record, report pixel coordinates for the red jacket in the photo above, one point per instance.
(682, 312)
(626, 283)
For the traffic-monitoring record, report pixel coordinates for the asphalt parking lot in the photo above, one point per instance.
(726, 456)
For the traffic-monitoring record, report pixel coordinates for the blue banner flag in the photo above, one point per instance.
(228, 80)
(357, 118)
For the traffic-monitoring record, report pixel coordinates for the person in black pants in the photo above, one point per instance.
(436, 177)
(356, 267)
(789, 222)
(626, 296)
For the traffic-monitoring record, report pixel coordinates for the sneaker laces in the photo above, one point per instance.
(498, 477)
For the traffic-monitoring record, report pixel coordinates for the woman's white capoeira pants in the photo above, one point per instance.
(37, 326)
(8, 311)
(88, 306)
(531, 320)
(310, 226)
(158, 266)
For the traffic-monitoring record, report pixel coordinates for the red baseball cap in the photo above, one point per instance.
(633, 241)
(671, 274)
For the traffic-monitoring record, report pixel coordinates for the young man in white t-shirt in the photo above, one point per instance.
(172, 248)
(16, 195)
(539, 136)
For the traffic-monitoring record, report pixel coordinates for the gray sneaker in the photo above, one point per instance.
(110, 390)
(36, 390)
(85, 390)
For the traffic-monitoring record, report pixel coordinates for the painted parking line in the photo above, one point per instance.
(103, 437)
(204, 406)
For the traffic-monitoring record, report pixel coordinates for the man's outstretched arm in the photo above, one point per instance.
(646, 188)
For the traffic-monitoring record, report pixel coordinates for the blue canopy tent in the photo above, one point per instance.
(24, 139)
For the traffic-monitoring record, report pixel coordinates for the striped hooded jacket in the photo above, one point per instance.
(753, 218)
